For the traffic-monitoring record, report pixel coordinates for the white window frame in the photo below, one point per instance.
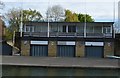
(106, 29)
(29, 27)
(94, 43)
(39, 42)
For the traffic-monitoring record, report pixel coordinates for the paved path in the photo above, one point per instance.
(60, 62)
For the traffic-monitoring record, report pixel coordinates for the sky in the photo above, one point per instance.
(99, 10)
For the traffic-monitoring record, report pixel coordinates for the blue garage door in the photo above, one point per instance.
(39, 50)
(94, 51)
(65, 51)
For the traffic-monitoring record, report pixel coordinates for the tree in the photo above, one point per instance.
(31, 15)
(2, 24)
(2, 5)
(71, 17)
(4, 32)
(14, 18)
(55, 13)
(85, 17)
(74, 17)
(8, 34)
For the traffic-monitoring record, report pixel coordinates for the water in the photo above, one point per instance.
(40, 71)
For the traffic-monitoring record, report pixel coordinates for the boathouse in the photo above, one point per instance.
(67, 39)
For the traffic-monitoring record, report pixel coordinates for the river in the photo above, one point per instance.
(46, 71)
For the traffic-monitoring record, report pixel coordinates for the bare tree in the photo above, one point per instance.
(55, 13)
(1, 5)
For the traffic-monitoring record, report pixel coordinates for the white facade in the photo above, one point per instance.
(39, 42)
(66, 43)
(94, 43)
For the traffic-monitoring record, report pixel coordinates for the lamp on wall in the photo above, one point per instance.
(52, 43)
(25, 42)
(109, 44)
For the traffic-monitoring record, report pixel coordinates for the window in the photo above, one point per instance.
(106, 30)
(89, 29)
(80, 29)
(71, 28)
(60, 28)
(64, 28)
(44, 29)
(40, 28)
(29, 28)
(53, 28)
(37, 28)
(98, 29)
(68, 28)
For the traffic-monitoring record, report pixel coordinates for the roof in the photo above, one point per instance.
(68, 22)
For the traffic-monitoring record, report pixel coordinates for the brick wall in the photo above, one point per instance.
(80, 49)
(1, 29)
(108, 48)
(25, 48)
(52, 48)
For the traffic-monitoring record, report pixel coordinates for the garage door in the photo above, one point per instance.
(94, 51)
(39, 50)
(65, 51)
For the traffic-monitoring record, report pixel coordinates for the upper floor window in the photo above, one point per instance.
(97, 29)
(29, 28)
(80, 29)
(64, 28)
(53, 28)
(106, 29)
(94, 29)
(71, 28)
(90, 29)
(40, 28)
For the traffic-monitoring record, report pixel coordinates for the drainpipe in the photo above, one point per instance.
(113, 19)
(21, 27)
(48, 31)
(85, 22)
(48, 28)
(21, 23)
(85, 29)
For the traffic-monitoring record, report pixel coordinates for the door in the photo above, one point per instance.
(94, 51)
(39, 50)
(65, 51)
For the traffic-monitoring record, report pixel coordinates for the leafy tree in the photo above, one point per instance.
(74, 17)
(68, 14)
(14, 18)
(71, 17)
(81, 18)
(8, 34)
(55, 13)
(31, 15)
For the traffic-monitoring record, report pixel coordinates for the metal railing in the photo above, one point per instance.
(70, 34)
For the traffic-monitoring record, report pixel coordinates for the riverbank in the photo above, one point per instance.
(60, 62)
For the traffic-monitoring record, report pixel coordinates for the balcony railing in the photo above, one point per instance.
(64, 34)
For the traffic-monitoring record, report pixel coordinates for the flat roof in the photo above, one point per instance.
(65, 22)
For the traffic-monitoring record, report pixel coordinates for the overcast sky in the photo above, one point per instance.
(99, 10)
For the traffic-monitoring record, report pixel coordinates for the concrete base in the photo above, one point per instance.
(60, 62)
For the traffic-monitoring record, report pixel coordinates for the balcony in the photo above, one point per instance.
(64, 34)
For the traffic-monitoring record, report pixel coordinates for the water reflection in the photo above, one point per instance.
(39, 71)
